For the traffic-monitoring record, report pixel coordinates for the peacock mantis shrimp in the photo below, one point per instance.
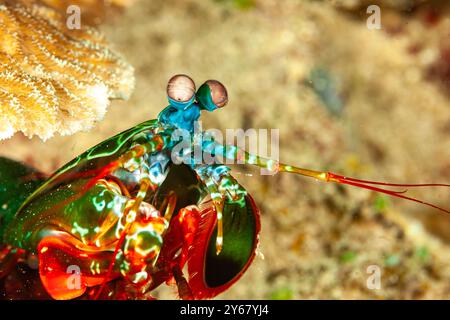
(128, 217)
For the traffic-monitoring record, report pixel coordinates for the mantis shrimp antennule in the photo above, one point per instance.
(366, 184)
(277, 166)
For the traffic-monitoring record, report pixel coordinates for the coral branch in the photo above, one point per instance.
(54, 80)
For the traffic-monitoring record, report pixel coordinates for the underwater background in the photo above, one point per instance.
(370, 103)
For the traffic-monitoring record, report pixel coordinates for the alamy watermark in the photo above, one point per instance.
(73, 21)
(238, 146)
(373, 281)
(374, 20)
(73, 281)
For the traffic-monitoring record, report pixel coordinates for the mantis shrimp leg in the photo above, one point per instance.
(130, 217)
(183, 287)
(221, 185)
(56, 243)
(218, 200)
(146, 184)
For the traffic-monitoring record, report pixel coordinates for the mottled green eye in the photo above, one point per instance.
(219, 93)
(212, 95)
(181, 88)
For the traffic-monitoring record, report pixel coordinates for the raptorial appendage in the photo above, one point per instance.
(53, 79)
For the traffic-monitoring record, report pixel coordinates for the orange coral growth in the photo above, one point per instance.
(53, 79)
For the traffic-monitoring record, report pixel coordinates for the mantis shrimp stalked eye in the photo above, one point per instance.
(131, 217)
(181, 88)
(212, 93)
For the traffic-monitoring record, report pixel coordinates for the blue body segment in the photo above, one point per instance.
(183, 114)
(180, 118)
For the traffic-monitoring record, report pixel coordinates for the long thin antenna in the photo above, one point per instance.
(276, 166)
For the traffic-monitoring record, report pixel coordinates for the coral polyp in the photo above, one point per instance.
(52, 79)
